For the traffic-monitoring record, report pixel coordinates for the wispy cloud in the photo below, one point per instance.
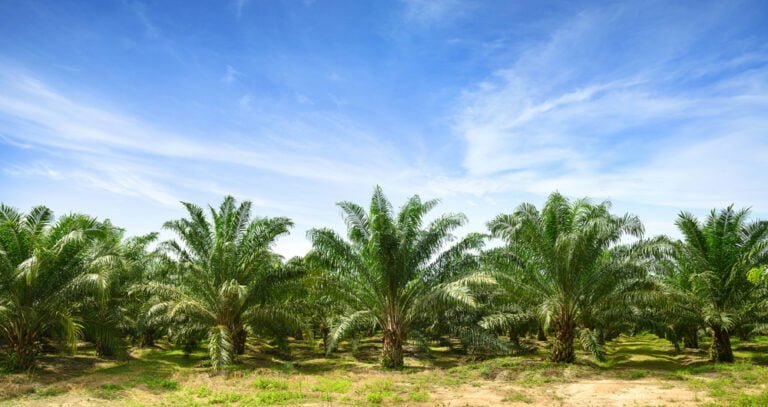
(113, 177)
(38, 115)
(431, 11)
(635, 131)
(239, 6)
(140, 10)
(651, 105)
(230, 76)
(245, 101)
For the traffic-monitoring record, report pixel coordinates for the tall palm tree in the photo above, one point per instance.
(568, 258)
(714, 260)
(394, 272)
(45, 269)
(228, 280)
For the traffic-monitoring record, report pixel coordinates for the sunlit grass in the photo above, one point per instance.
(168, 377)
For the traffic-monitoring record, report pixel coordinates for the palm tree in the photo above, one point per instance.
(111, 316)
(228, 280)
(679, 315)
(142, 265)
(567, 258)
(394, 272)
(45, 268)
(712, 264)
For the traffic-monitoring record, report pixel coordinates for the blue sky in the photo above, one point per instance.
(123, 108)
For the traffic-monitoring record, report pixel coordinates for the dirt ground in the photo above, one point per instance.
(596, 393)
(640, 371)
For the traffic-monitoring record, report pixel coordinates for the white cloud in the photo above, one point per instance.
(245, 101)
(114, 177)
(100, 155)
(304, 99)
(563, 116)
(626, 128)
(230, 76)
(140, 9)
(430, 11)
(239, 6)
(38, 115)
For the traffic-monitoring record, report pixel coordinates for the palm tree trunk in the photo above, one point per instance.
(324, 332)
(721, 346)
(541, 335)
(147, 338)
(562, 348)
(189, 346)
(392, 352)
(744, 334)
(514, 338)
(103, 350)
(239, 336)
(676, 344)
(691, 339)
(22, 350)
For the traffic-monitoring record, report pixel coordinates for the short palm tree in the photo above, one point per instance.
(44, 272)
(569, 260)
(107, 318)
(395, 272)
(228, 280)
(714, 260)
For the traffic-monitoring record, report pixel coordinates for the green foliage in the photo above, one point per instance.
(572, 271)
(707, 281)
(568, 263)
(226, 282)
(47, 269)
(394, 271)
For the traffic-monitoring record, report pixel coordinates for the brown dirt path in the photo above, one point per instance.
(586, 392)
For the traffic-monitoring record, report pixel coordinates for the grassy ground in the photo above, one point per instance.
(640, 370)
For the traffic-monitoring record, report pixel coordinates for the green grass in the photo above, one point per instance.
(225, 398)
(166, 377)
(270, 397)
(517, 397)
(419, 396)
(109, 391)
(376, 397)
(635, 374)
(332, 385)
(159, 383)
(265, 383)
(47, 392)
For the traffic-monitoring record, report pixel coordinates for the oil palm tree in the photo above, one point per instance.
(45, 269)
(394, 271)
(711, 272)
(227, 278)
(569, 260)
(111, 316)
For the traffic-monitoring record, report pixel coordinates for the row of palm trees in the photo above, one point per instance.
(571, 270)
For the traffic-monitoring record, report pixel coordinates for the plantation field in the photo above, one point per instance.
(640, 370)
